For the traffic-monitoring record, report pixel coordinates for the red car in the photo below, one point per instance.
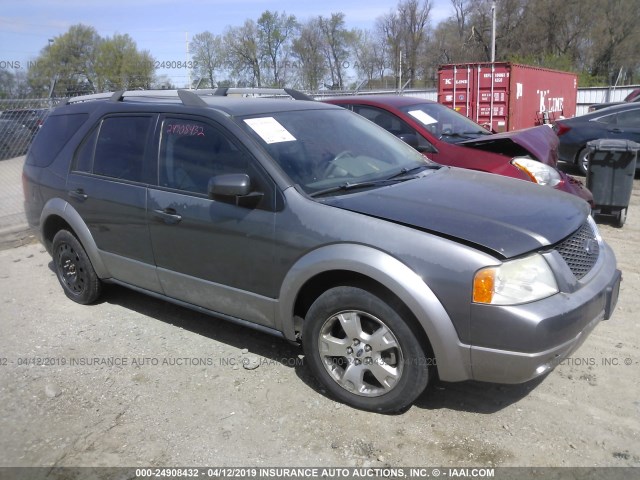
(449, 138)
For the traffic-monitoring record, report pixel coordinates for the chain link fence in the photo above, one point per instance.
(20, 120)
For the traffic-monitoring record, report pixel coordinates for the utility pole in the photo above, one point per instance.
(400, 70)
(493, 31)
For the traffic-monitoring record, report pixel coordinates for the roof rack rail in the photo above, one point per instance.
(192, 98)
(225, 91)
(120, 95)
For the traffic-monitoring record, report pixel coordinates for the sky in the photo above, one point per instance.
(163, 26)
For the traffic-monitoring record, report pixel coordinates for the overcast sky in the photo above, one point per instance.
(161, 26)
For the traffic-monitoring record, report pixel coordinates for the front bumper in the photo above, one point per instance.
(541, 334)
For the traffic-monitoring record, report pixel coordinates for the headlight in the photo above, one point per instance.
(516, 281)
(538, 172)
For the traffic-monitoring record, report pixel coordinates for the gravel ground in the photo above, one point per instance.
(134, 381)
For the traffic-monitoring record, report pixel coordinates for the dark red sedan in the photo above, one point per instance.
(449, 138)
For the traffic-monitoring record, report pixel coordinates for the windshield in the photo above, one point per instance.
(445, 123)
(323, 149)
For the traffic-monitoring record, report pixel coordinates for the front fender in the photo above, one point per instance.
(452, 357)
(62, 209)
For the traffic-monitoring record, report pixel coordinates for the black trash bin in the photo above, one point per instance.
(612, 167)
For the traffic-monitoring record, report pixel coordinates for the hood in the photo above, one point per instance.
(538, 142)
(505, 216)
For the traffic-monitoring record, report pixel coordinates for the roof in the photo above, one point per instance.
(227, 102)
(392, 100)
(601, 112)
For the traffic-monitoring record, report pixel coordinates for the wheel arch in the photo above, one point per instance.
(360, 265)
(57, 215)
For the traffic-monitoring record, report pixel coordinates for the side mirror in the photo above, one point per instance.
(234, 188)
(412, 140)
(231, 185)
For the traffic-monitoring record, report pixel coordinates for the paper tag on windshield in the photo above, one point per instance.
(425, 118)
(270, 130)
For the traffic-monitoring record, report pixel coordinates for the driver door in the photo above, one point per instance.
(211, 253)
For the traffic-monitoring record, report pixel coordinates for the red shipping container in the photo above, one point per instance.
(507, 96)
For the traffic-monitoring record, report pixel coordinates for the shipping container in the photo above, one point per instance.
(507, 96)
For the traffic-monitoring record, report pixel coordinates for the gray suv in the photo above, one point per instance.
(309, 222)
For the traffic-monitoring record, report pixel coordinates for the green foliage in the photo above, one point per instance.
(119, 65)
(80, 61)
(545, 60)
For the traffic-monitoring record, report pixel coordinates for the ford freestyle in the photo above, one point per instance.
(311, 223)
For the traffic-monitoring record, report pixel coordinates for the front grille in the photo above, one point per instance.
(580, 250)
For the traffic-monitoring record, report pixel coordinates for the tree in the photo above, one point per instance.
(207, 54)
(70, 59)
(414, 18)
(119, 65)
(7, 83)
(80, 61)
(274, 32)
(389, 28)
(370, 56)
(308, 53)
(615, 39)
(336, 46)
(242, 54)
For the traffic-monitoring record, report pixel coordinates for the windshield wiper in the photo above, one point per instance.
(402, 176)
(410, 172)
(343, 187)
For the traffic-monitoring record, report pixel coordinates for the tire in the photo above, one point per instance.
(74, 270)
(621, 218)
(582, 160)
(363, 352)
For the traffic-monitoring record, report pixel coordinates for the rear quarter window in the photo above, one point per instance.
(53, 135)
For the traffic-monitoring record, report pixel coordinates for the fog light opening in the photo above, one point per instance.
(542, 369)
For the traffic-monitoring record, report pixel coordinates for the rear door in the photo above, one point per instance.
(108, 188)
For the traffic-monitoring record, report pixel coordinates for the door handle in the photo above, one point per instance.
(168, 216)
(78, 194)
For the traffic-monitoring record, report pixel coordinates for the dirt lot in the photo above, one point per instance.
(134, 381)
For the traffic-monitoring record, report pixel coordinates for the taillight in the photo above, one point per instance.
(560, 128)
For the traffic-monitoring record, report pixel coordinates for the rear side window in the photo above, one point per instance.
(630, 118)
(83, 161)
(120, 147)
(53, 135)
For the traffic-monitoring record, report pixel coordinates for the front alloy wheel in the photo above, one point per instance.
(360, 353)
(365, 350)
